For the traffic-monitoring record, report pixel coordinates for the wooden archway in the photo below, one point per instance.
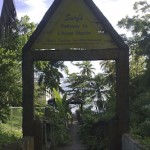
(113, 48)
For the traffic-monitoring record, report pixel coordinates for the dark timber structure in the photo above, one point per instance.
(46, 45)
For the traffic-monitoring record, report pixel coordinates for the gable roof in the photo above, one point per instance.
(96, 12)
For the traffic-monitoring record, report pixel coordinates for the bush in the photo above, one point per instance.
(89, 134)
(9, 135)
(58, 132)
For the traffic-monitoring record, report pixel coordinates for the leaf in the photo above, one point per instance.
(58, 101)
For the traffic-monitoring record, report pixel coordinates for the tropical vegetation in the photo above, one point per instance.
(139, 42)
(91, 89)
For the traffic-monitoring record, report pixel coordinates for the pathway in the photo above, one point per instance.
(76, 143)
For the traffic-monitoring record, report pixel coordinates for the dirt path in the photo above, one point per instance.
(76, 143)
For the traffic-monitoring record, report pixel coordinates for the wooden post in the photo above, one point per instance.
(122, 96)
(38, 135)
(28, 102)
(28, 143)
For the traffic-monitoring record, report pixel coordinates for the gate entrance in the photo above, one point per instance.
(76, 30)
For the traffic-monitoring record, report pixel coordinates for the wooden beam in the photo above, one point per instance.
(75, 55)
(28, 103)
(28, 94)
(122, 95)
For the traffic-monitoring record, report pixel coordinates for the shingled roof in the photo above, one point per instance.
(96, 12)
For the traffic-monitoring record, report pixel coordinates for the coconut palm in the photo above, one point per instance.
(7, 18)
(99, 89)
(86, 68)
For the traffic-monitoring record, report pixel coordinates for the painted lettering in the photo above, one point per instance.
(65, 33)
(70, 26)
(70, 17)
(83, 33)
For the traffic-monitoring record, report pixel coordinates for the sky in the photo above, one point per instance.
(114, 10)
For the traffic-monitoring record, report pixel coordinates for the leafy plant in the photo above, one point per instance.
(9, 134)
(139, 42)
(57, 117)
(89, 134)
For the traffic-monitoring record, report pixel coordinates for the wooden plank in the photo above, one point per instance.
(28, 94)
(122, 95)
(75, 55)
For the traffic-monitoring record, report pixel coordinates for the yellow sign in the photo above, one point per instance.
(73, 25)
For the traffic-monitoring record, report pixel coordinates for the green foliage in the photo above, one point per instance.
(10, 82)
(58, 132)
(86, 68)
(39, 112)
(9, 134)
(89, 134)
(58, 119)
(10, 66)
(87, 137)
(4, 113)
(61, 135)
(77, 86)
(15, 118)
(61, 103)
(144, 141)
(139, 26)
(86, 86)
(89, 87)
(50, 74)
(58, 100)
(11, 131)
(140, 124)
(39, 95)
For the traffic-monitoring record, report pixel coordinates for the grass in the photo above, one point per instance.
(11, 131)
(9, 134)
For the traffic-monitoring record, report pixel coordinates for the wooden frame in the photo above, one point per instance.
(122, 81)
(120, 55)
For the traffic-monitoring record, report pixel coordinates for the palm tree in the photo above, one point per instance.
(86, 68)
(79, 83)
(110, 71)
(99, 89)
(7, 18)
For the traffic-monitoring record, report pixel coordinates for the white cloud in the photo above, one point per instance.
(115, 10)
(36, 9)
